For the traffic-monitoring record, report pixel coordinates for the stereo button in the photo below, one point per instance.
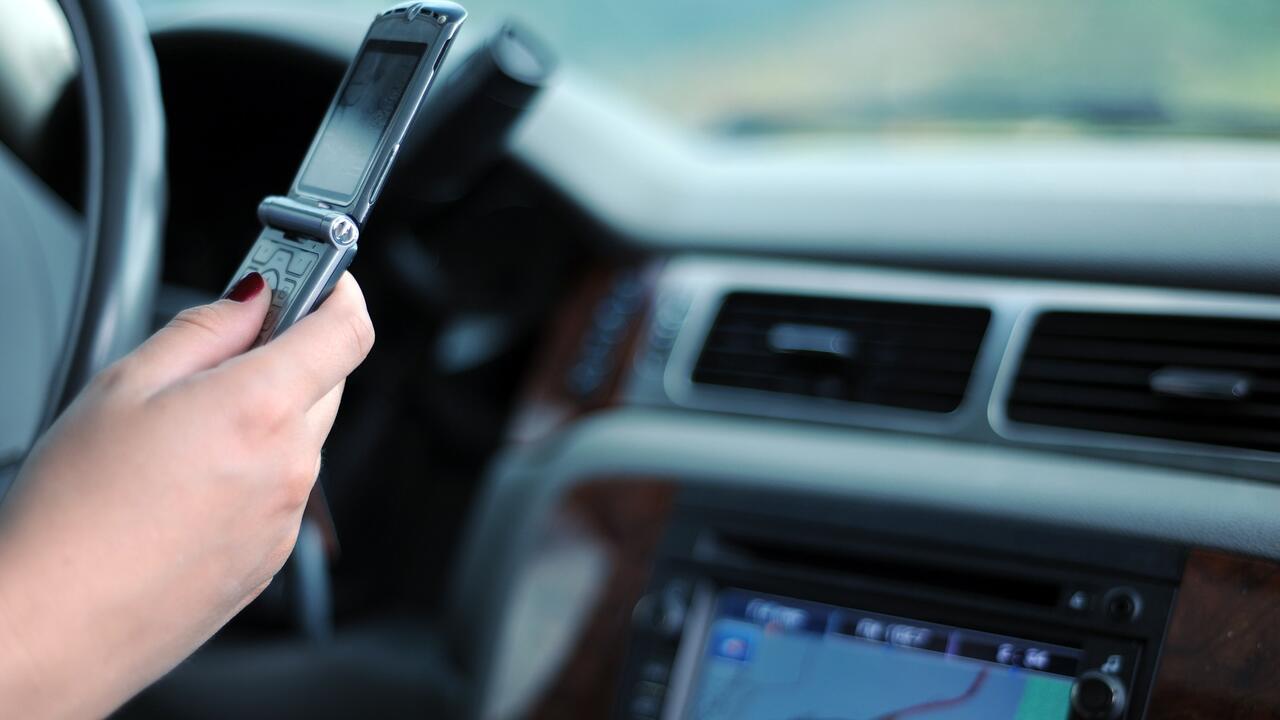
(655, 671)
(646, 703)
(662, 612)
(1098, 696)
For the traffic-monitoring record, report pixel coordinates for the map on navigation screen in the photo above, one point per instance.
(769, 658)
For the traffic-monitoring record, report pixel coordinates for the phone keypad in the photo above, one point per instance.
(284, 266)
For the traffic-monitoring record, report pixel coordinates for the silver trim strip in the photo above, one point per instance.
(684, 670)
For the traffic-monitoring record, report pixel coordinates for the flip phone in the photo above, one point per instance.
(310, 236)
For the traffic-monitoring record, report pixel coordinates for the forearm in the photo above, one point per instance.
(21, 690)
(52, 664)
(72, 640)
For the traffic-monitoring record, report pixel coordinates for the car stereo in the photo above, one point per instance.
(761, 657)
(748, 616)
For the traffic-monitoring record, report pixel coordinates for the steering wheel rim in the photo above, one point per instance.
(125, 192)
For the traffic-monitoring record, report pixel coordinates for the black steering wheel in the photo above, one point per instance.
(112, 292)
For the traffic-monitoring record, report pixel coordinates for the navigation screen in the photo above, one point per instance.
(770, 658)
(360, 117)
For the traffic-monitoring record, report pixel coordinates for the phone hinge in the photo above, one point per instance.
(316, 223)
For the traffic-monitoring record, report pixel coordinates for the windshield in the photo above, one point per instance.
(1185, 67)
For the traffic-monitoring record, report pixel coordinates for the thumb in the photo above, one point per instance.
(204, 336)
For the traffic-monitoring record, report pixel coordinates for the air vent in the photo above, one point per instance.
(1206, 380)
(882, 353)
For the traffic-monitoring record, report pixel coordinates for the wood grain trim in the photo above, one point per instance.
(545, 403)
(629, 518)
(1221, 657)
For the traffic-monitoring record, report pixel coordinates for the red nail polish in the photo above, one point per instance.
(248, 287)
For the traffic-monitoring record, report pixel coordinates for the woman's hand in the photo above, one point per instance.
(165, 499)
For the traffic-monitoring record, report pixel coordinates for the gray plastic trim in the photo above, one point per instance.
(1198, 212)
(1185, 508)
(693, 641)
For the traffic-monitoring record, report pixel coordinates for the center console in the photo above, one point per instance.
(753, 611)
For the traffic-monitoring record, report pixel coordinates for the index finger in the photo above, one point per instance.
(310, 358)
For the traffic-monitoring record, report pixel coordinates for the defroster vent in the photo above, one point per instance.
(902, 355)
(1206, 380)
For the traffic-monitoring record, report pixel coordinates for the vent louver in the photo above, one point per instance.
(881, 353)
(1204, 380)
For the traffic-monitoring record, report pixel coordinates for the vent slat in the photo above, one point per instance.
(1126, 425)
(1138, 353)
(904, 355)
(1145, 403)
(890, 338)
(956, 363)
(1093, 371)
(872, 382)
(1190, 331)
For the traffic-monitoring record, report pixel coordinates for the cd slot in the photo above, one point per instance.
(881, 566)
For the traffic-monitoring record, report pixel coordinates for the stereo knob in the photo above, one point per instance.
(1122, 604)
(663, 612)
(1098, 696)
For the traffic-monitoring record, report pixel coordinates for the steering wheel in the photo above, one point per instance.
(111, 292)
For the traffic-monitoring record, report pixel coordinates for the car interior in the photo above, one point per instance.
(823, 360)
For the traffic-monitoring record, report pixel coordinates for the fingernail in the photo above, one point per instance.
(248, 287)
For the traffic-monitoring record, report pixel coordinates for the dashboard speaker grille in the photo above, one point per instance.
(1206, 380)
(902, 355)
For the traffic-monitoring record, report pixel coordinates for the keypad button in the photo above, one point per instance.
(301, 263)
(272, 277)
(264, 253)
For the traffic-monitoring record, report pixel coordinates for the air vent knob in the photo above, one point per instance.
(1098, 696)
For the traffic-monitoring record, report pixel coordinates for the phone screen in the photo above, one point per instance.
(360, 117)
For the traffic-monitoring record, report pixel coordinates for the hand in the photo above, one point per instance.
(165, 499)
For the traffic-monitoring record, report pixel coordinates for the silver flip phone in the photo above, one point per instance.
(310, 236)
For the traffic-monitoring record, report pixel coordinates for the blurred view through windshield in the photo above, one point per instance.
(1184, 67)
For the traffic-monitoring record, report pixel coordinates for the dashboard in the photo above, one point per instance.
(954, 431)
(713, 434)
